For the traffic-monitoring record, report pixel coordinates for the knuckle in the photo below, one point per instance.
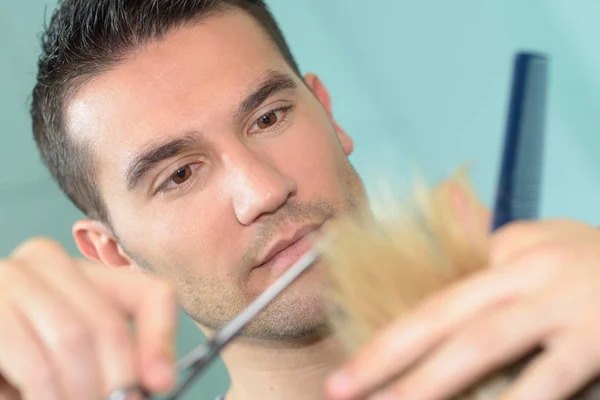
(514, 232)
(480, 341)
(113, 330)
(568, 370)
(555, 252)
(34, 371)
(50, 249)
(545, 252)
(41, 244)
(73, 334)
(6, 270)
(491, 336)
(550, 257)
(44, 375)
(11, 274)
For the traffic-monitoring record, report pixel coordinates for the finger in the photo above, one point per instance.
(484, 346)
(65, 336)
(92, 321)
(102, 296)
(154, 305)
(472, 215)
(556, 374)
(516, 238)
(24, 366)
(405, 342)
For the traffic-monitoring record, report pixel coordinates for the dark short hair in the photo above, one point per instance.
(85, 38)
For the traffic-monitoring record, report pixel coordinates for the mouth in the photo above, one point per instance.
(286, 252)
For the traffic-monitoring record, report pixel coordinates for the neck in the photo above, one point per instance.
(290, 370)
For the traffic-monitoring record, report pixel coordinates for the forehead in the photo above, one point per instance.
(172, 85)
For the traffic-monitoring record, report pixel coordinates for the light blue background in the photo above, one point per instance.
(420, 85)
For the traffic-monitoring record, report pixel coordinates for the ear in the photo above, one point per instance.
(96, 242)
(321, 93)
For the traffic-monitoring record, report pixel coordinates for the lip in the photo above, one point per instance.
(281, 246)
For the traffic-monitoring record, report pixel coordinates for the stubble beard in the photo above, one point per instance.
(300, 312)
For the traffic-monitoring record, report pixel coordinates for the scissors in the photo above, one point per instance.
(197, 360)
(517, 198)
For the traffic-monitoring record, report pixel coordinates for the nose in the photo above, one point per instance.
(258, 187)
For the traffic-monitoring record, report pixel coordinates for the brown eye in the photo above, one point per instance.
(267, 120)
(182, 175)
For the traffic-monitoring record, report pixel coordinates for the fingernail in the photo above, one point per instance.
(340, 384)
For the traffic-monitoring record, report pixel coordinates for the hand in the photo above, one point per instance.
(542, 290)
(64, 327)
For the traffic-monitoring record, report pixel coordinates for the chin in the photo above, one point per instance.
(299, 312)
(288, 322)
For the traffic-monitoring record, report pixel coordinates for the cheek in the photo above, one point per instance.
(177, 239)
(187, 228)
(313, 156)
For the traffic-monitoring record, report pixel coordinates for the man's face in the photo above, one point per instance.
(211, 155)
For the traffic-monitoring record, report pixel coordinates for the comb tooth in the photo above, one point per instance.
(518, 194)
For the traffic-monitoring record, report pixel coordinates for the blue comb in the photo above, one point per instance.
(519, 181)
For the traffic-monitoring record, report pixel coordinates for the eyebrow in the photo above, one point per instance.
(141, 164)
(273, 82)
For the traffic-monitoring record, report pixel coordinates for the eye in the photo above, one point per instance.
(182, 175)
(180, 179)
(271, 119)
(267, 120)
